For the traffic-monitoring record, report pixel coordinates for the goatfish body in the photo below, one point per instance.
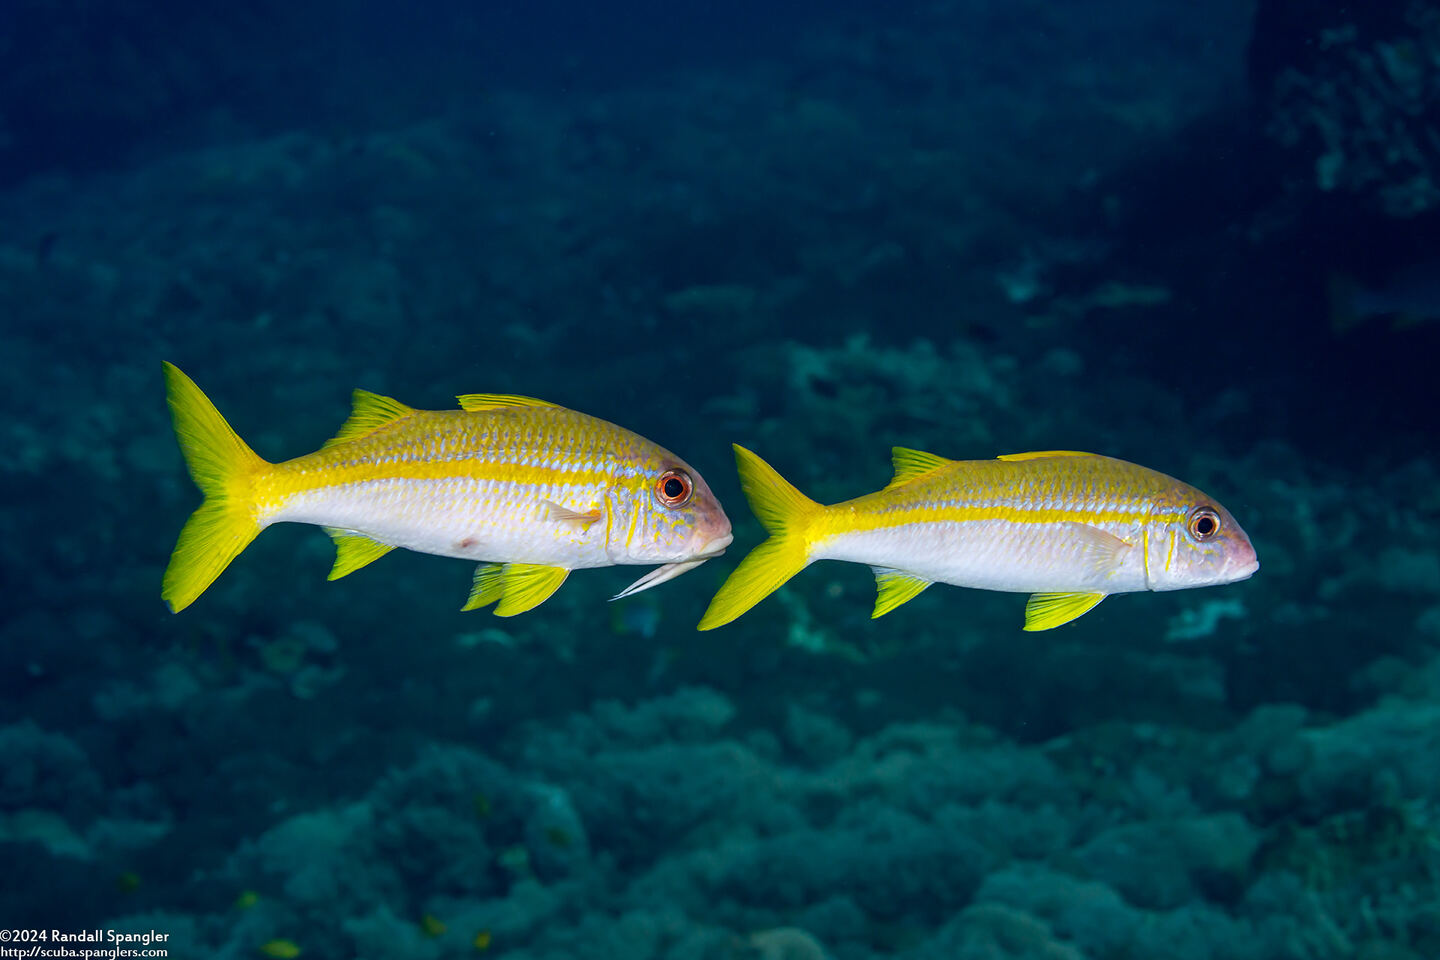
(1068, 528)
(529, 489)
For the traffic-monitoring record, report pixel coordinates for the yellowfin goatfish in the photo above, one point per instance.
(1069, 528)
(530, 489)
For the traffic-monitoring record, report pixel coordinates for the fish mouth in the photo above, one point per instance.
(715, 547)
(712, 548)
(1244, 571)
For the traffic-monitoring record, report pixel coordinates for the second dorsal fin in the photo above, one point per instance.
(489, 401)
(368, 413)
(909, 464)
(1043, 455)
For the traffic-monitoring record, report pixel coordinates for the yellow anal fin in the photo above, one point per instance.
(1045, 611)
(909, 464)
(353, 551)
(489, 401)
(368, 413)
(517, 586)
(1043, 455)
(895, 587)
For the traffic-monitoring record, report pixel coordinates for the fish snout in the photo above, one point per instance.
(710, 530)
(716, 546)
(1244, 570)
(1242, 562)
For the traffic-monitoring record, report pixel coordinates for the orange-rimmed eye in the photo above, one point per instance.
(673, 488)
(1203, 524)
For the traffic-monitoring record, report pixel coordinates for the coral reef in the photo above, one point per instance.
(1350, 90)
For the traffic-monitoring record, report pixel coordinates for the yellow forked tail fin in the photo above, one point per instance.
(224, 469)
(787, 514)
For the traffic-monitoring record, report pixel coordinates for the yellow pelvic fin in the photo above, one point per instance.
(368, 413)
(486, 588)
(489, 401)
(353, 551)
(787, 514)
(1045, 611)
(517, 586)
(1043, 455)
(224, 469)
(909, 464)
(895, 587)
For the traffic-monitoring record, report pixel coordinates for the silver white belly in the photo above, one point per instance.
(457, 518)
(1000, 554)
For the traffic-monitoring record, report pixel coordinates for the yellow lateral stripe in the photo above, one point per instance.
(286, 481)
(860, 522)
(477, 469)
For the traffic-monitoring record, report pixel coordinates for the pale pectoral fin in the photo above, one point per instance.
(894, 588)
(1045, 611)
(353, 551)
(1102, 553)
(486, 588)
(659, 575)
(526, 586)
(562, 514)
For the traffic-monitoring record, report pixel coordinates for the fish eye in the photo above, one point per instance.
(1203, 523)
(673, 488)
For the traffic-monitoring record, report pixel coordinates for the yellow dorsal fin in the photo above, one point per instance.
(353, 551)
(895, 587)
(909, 464)
(489, 401)
(1045, 611)
(1043, 455)
(517, 586)
(368, 413)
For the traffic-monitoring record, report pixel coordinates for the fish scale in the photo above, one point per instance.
(1069, 528)
(452, 484)
(1003, 525)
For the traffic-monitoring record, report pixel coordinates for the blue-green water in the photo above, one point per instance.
(968, 227)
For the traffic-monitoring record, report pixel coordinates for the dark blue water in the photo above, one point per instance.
(817, 229)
